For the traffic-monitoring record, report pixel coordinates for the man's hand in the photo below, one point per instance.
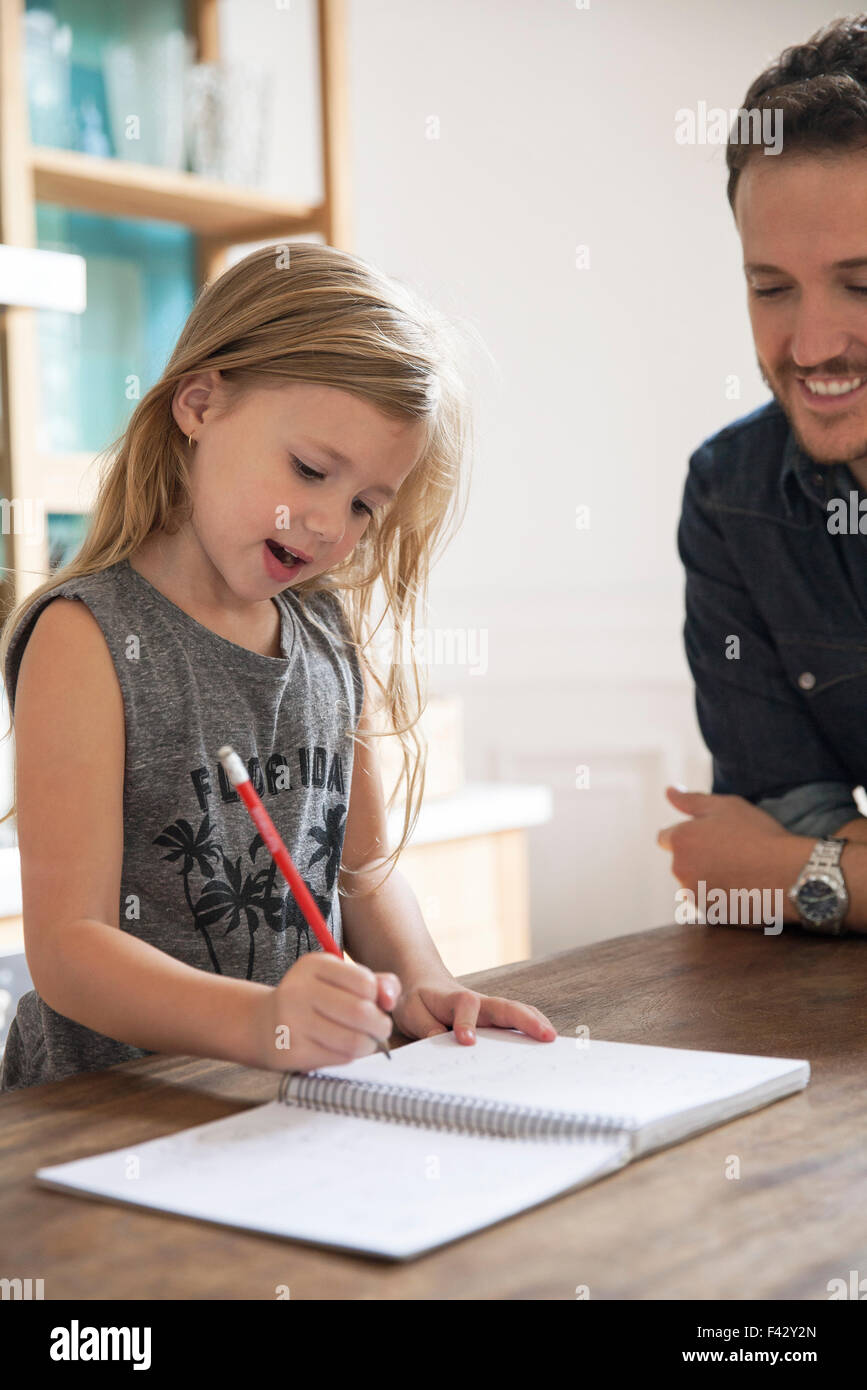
(729, 843)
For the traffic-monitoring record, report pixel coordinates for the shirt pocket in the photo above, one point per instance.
(829, 671)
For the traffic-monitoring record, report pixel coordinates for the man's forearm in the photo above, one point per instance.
(385, 930)
(728, 844)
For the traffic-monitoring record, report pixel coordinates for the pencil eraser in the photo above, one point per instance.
(235, 769)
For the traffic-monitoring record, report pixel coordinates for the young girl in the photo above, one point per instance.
(304, 444)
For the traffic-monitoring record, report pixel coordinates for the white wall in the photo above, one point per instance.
(556, 129)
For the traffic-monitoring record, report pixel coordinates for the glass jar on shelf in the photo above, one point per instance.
(47, 47)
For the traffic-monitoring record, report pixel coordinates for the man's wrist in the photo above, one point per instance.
(853, 830)
(858, 852)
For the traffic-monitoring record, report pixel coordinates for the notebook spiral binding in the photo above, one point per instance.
(442, 1110)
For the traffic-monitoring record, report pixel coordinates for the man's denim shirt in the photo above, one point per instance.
(783, 709)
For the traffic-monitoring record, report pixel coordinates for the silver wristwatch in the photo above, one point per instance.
(820, 893)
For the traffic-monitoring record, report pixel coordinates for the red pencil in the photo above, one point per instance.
(240, 780)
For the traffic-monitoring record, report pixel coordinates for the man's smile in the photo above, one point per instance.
(826, 394)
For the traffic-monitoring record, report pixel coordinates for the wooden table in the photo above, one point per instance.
(669, 1226)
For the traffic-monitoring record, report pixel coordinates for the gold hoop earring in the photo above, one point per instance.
(190, 440)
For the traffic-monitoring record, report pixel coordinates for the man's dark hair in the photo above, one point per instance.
(821, 89)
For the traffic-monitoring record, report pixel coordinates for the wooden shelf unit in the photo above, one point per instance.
(218, 215)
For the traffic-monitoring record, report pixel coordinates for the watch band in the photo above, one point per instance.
(826, 854)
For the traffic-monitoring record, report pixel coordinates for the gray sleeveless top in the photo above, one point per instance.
(197, 881)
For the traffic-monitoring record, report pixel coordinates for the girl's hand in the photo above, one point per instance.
(323, 1012)
(426, 1009)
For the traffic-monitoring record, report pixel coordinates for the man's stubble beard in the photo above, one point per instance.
(857, 452)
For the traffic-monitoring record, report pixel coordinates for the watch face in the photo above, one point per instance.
(818, 901)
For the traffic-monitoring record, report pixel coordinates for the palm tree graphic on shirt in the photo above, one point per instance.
(238, 897)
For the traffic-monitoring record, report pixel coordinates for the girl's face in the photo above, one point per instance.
(301, 466)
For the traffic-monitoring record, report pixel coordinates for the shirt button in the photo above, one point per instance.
(806, 680)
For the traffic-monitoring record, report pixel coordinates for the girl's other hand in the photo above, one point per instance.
(426, 1009)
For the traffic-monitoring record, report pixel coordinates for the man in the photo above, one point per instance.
(771, 532)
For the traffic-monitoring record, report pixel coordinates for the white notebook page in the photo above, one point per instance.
(361, 1184)
(665, 1091)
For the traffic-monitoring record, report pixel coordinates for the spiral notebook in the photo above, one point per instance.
(394, 1158)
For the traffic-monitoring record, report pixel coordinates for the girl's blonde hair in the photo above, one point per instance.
(302, 312)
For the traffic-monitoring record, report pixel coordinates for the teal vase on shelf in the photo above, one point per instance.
(94, 367)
